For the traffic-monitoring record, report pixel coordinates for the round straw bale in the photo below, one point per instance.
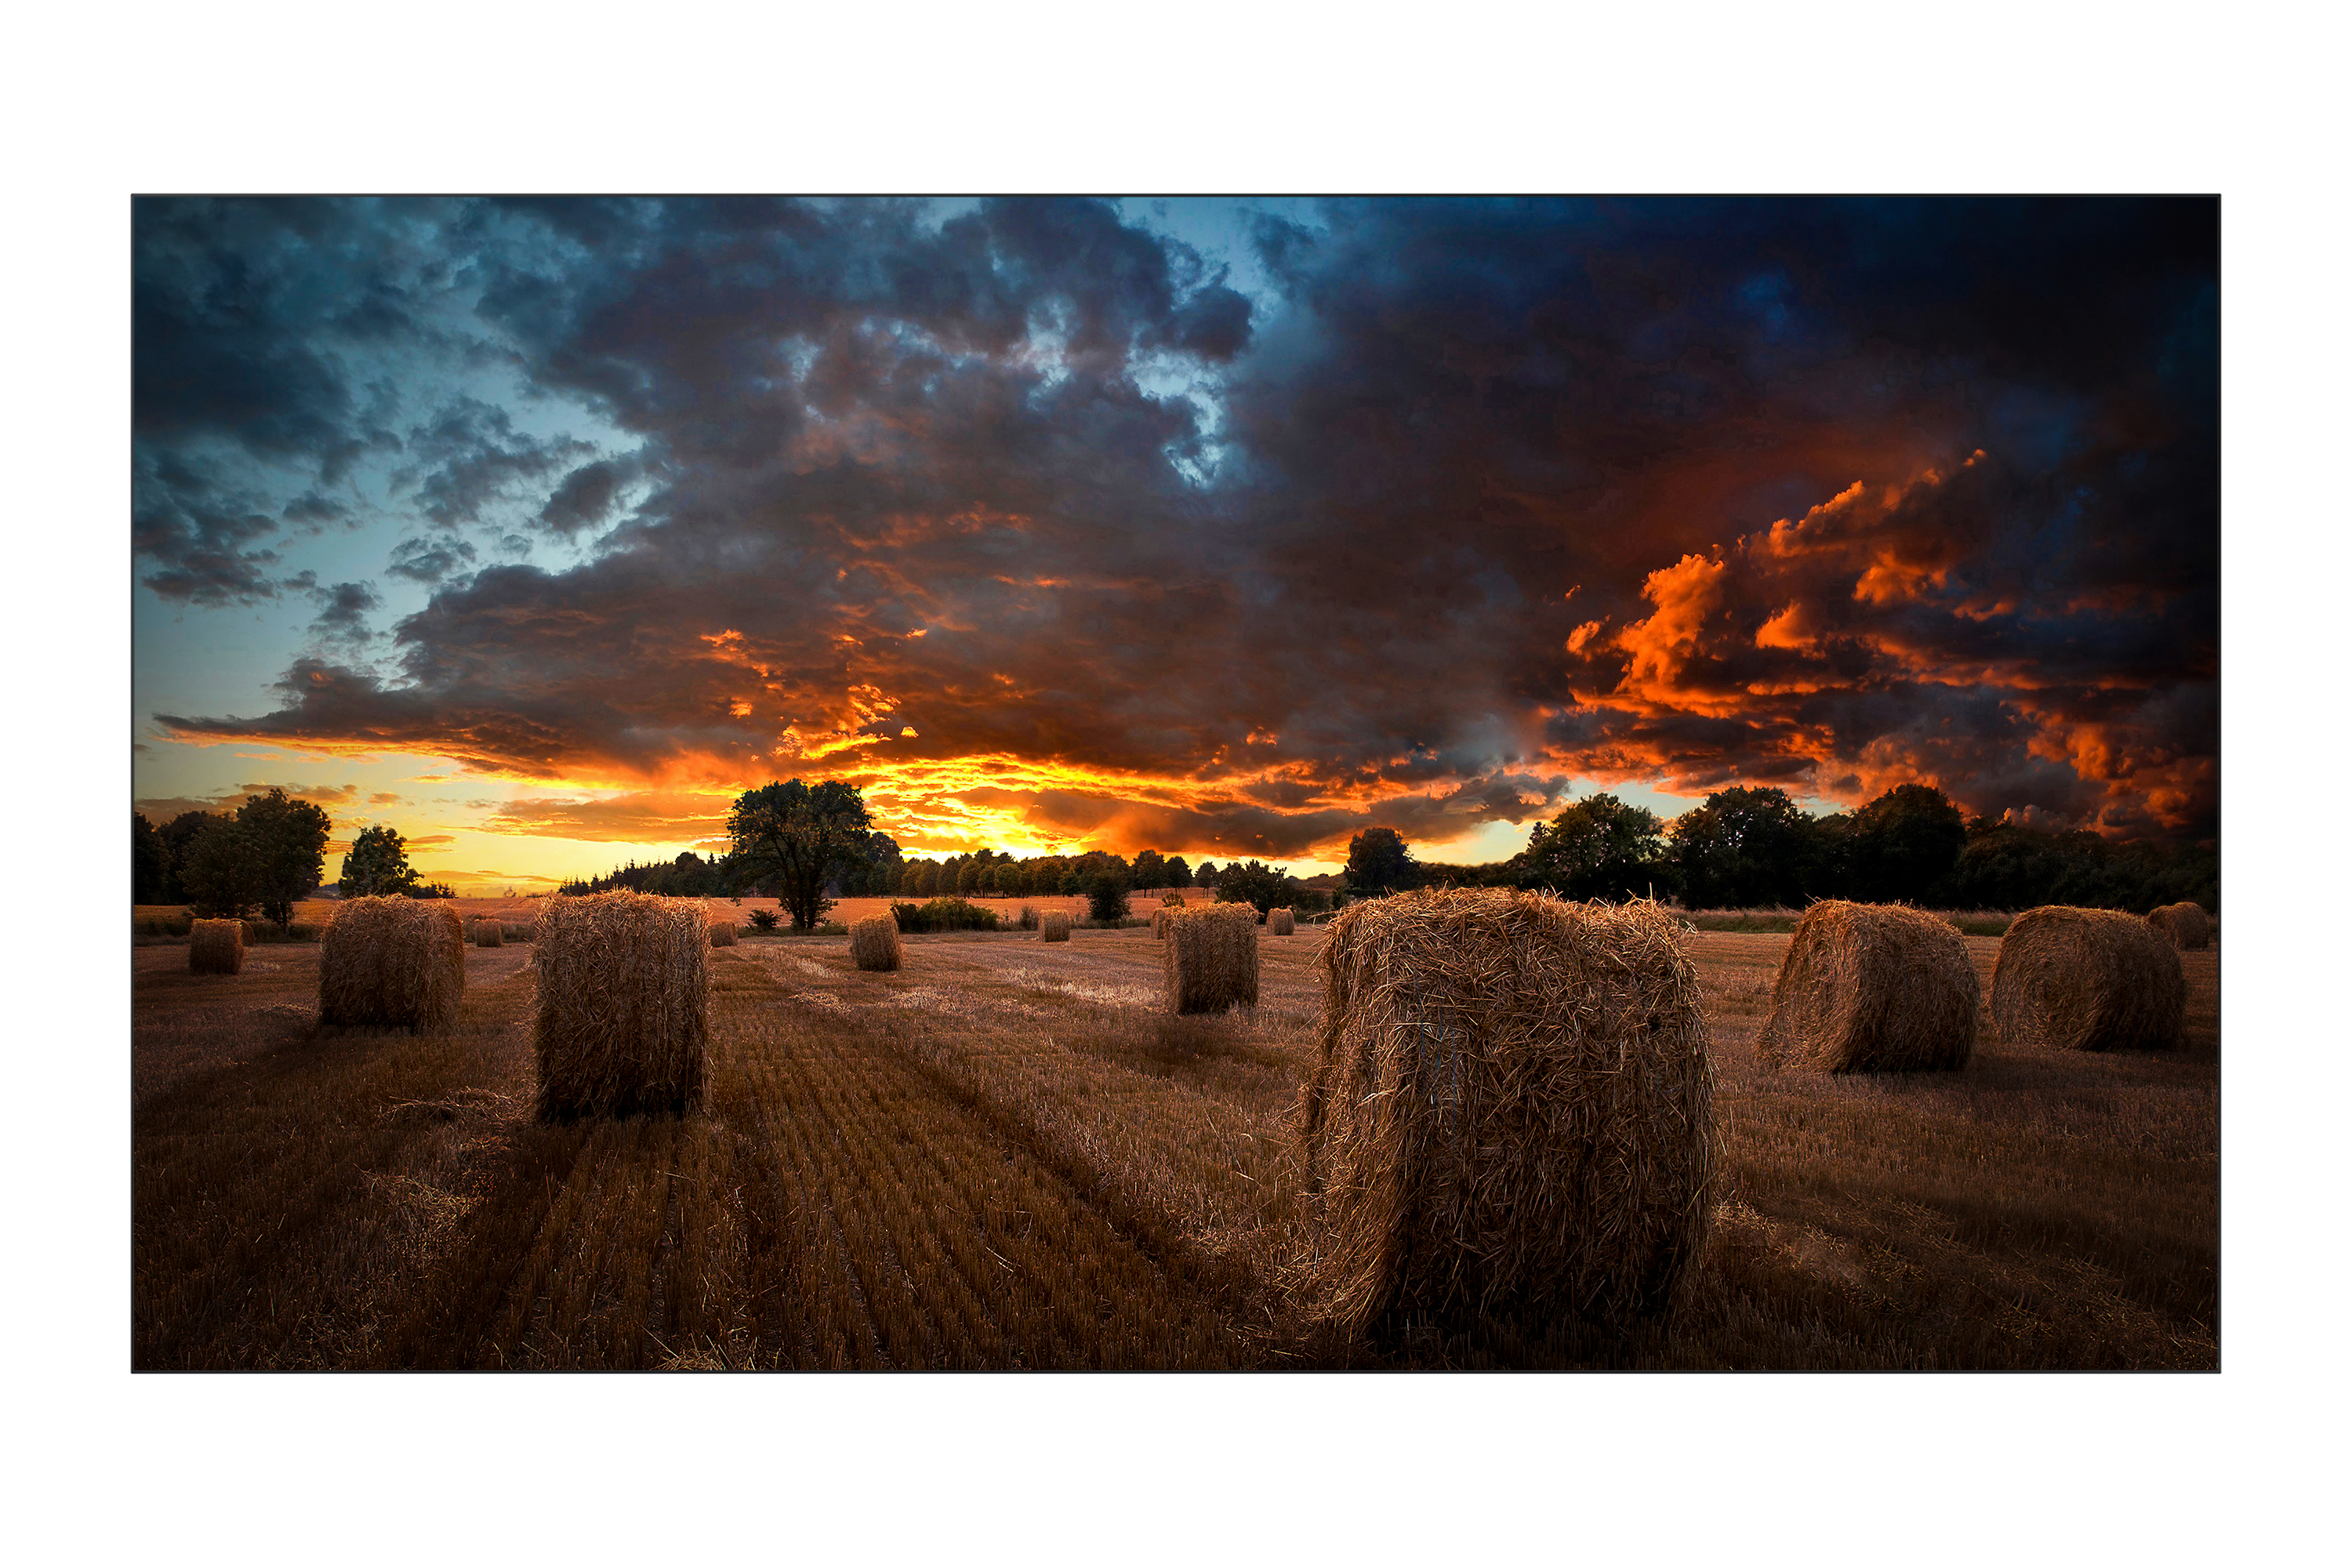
(1873, 988)
(518, 931)
(1054, 925)
(1280, 922)
(486, 931)
(1512, 1113)
(2087, 979)
(722, 932)
(216, 947)
(2185, 926)
(874, 944)
(624, 1006)
(392, 961)
(1210, 960)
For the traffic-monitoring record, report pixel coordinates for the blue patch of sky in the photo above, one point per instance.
(1220, 230)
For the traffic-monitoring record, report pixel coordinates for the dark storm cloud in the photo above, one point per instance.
(585, 497)
(314, 511)
(470, 455)
(243, 317)
(1503, 492)
(239, 310)
(342, 612)
(429, 560)
(199, 534)
(1214, 325)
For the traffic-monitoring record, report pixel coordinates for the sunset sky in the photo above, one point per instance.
(539, 529)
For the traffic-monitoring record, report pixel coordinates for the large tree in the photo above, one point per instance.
(1742, 849)
(870, 871)
(1107, 888)
(1904, 844)
(1259, 885)
(287, 840)
(1601, 847)
(150, 862)
(178, 835)
(1380, 863)
(799, 833)
(219, 873)
(377, 866)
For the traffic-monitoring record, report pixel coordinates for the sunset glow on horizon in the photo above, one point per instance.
(539, 529)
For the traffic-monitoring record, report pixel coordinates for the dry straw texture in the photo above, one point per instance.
(1280, 922)
(722, 932)
(2185, 926)
(488, 932)
(1511, 1114)
(1160, 922)
(2088, 979)
(1210, 959)
(518, 931)
(398, 961)
(216, 947)
(874, 944)
(1873, 988)
(624, 1006)
(1053, 926)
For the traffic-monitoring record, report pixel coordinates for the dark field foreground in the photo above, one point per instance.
(1002, 1156)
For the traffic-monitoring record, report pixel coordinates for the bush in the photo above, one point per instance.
(943, 914)
(763, 920)
(297, 931)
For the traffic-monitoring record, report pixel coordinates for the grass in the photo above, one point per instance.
(1004, 1155)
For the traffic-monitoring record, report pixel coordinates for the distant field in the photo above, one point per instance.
(169, 922)
(1774, 921)
(1004, 1155)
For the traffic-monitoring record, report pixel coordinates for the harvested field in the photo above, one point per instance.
(1007, 1155)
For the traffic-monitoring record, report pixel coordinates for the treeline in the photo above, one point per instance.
(985, 873)
(1740, 849)
(261, 859)
(1750, 847)
(687, 877)
(878, 869)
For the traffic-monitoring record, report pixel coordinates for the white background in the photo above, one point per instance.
(1210, 98)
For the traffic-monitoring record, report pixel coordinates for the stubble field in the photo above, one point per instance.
(1005, 1155)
